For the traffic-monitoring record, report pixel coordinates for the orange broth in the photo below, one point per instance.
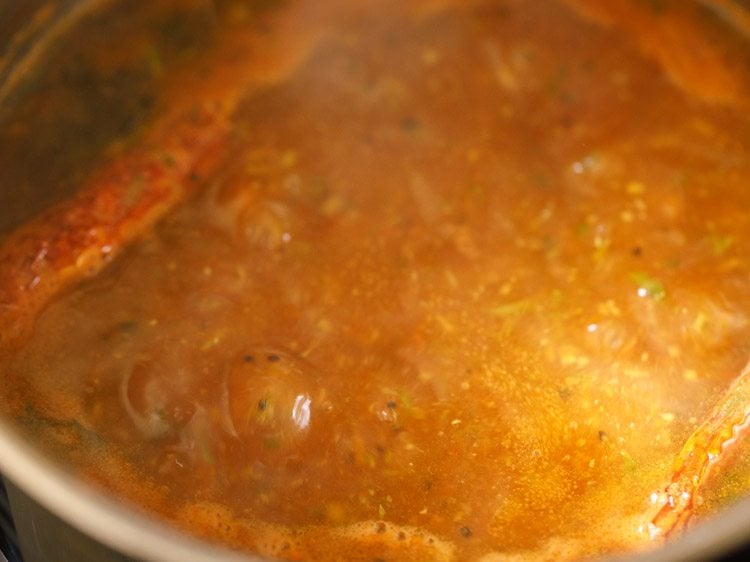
(466, 279)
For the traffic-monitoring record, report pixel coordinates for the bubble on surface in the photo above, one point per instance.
(269, 397)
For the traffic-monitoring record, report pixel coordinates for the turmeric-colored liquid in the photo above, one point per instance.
(466, 279)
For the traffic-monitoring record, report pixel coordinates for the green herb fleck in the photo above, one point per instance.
(154, 61)
(205, 453)
(128, 326)
(721, 243)
(582, 229)
(649, 286)
(542, 180)
(410, 124)
(272, 443)
(629, 462)
(512, 308)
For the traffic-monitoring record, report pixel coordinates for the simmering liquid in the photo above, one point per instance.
(467, 277)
